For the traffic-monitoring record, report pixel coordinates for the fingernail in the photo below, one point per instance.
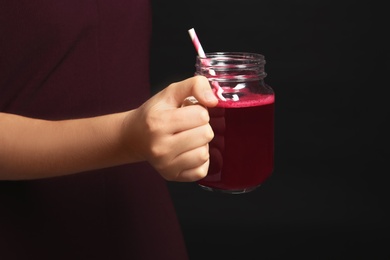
(190, 101)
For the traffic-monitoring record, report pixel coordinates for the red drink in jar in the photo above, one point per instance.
(242, 150)
(241, 153)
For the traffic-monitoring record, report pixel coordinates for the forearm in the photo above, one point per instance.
(171, 137)
(33, 148)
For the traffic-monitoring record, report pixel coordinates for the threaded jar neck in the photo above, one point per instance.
(231, 66)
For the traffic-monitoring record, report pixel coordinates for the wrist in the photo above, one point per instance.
(130, 136)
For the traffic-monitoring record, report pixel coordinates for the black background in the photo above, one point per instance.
(327, 62)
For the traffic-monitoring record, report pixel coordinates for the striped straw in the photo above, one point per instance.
(201, 53)
(196, 42)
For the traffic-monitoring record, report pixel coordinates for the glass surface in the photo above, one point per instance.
(242, 150)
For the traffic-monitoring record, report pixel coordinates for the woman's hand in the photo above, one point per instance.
(174, 138)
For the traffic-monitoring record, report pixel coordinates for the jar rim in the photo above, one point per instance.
(232, 54)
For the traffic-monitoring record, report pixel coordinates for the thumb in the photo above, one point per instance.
(197, 86)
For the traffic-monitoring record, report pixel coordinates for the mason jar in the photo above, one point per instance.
(242, 150)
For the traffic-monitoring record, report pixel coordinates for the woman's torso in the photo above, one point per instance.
(69, 59)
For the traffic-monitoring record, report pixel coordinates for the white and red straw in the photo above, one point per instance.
(196, 42)
(201, 53)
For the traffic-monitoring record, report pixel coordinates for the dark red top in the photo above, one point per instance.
(75, 58)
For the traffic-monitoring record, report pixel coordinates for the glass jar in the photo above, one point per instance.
(242, 150)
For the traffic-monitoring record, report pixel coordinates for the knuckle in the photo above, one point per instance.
(204, 154)
(204, 115)
(209, 133)
(152, 124)
(158, 152)
(199, 173)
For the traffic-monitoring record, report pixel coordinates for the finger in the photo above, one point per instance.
(176, 120)
(187, 118)
(197, 86)
(193, 167)
(191, 139)
(195, 174)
